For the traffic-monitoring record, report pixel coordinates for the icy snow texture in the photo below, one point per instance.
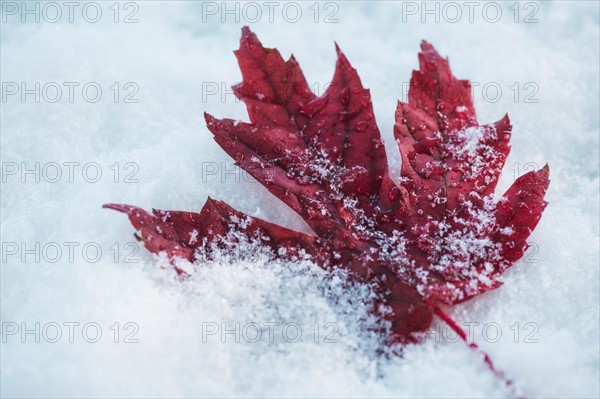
(169, 53)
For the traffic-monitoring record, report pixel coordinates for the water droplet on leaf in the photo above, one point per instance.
(361, 126)
(394, 193)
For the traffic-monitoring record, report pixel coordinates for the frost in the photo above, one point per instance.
(193, 237)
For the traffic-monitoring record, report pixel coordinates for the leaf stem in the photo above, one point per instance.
(462, 334)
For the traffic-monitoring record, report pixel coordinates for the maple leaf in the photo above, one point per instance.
(436, 239)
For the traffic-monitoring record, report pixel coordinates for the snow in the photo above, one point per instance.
(175, 56)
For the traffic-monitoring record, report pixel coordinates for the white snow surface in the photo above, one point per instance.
(171, 54)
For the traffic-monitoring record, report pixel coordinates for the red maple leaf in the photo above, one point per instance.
(437, 239)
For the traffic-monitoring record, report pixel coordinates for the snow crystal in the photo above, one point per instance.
(193, 237)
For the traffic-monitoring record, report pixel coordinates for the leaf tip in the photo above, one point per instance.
(427, 47)
(430, 57)
(246, 32)
(248, 41)
(342, 60)
(118, 207)
(209, 119)
(545, 172)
